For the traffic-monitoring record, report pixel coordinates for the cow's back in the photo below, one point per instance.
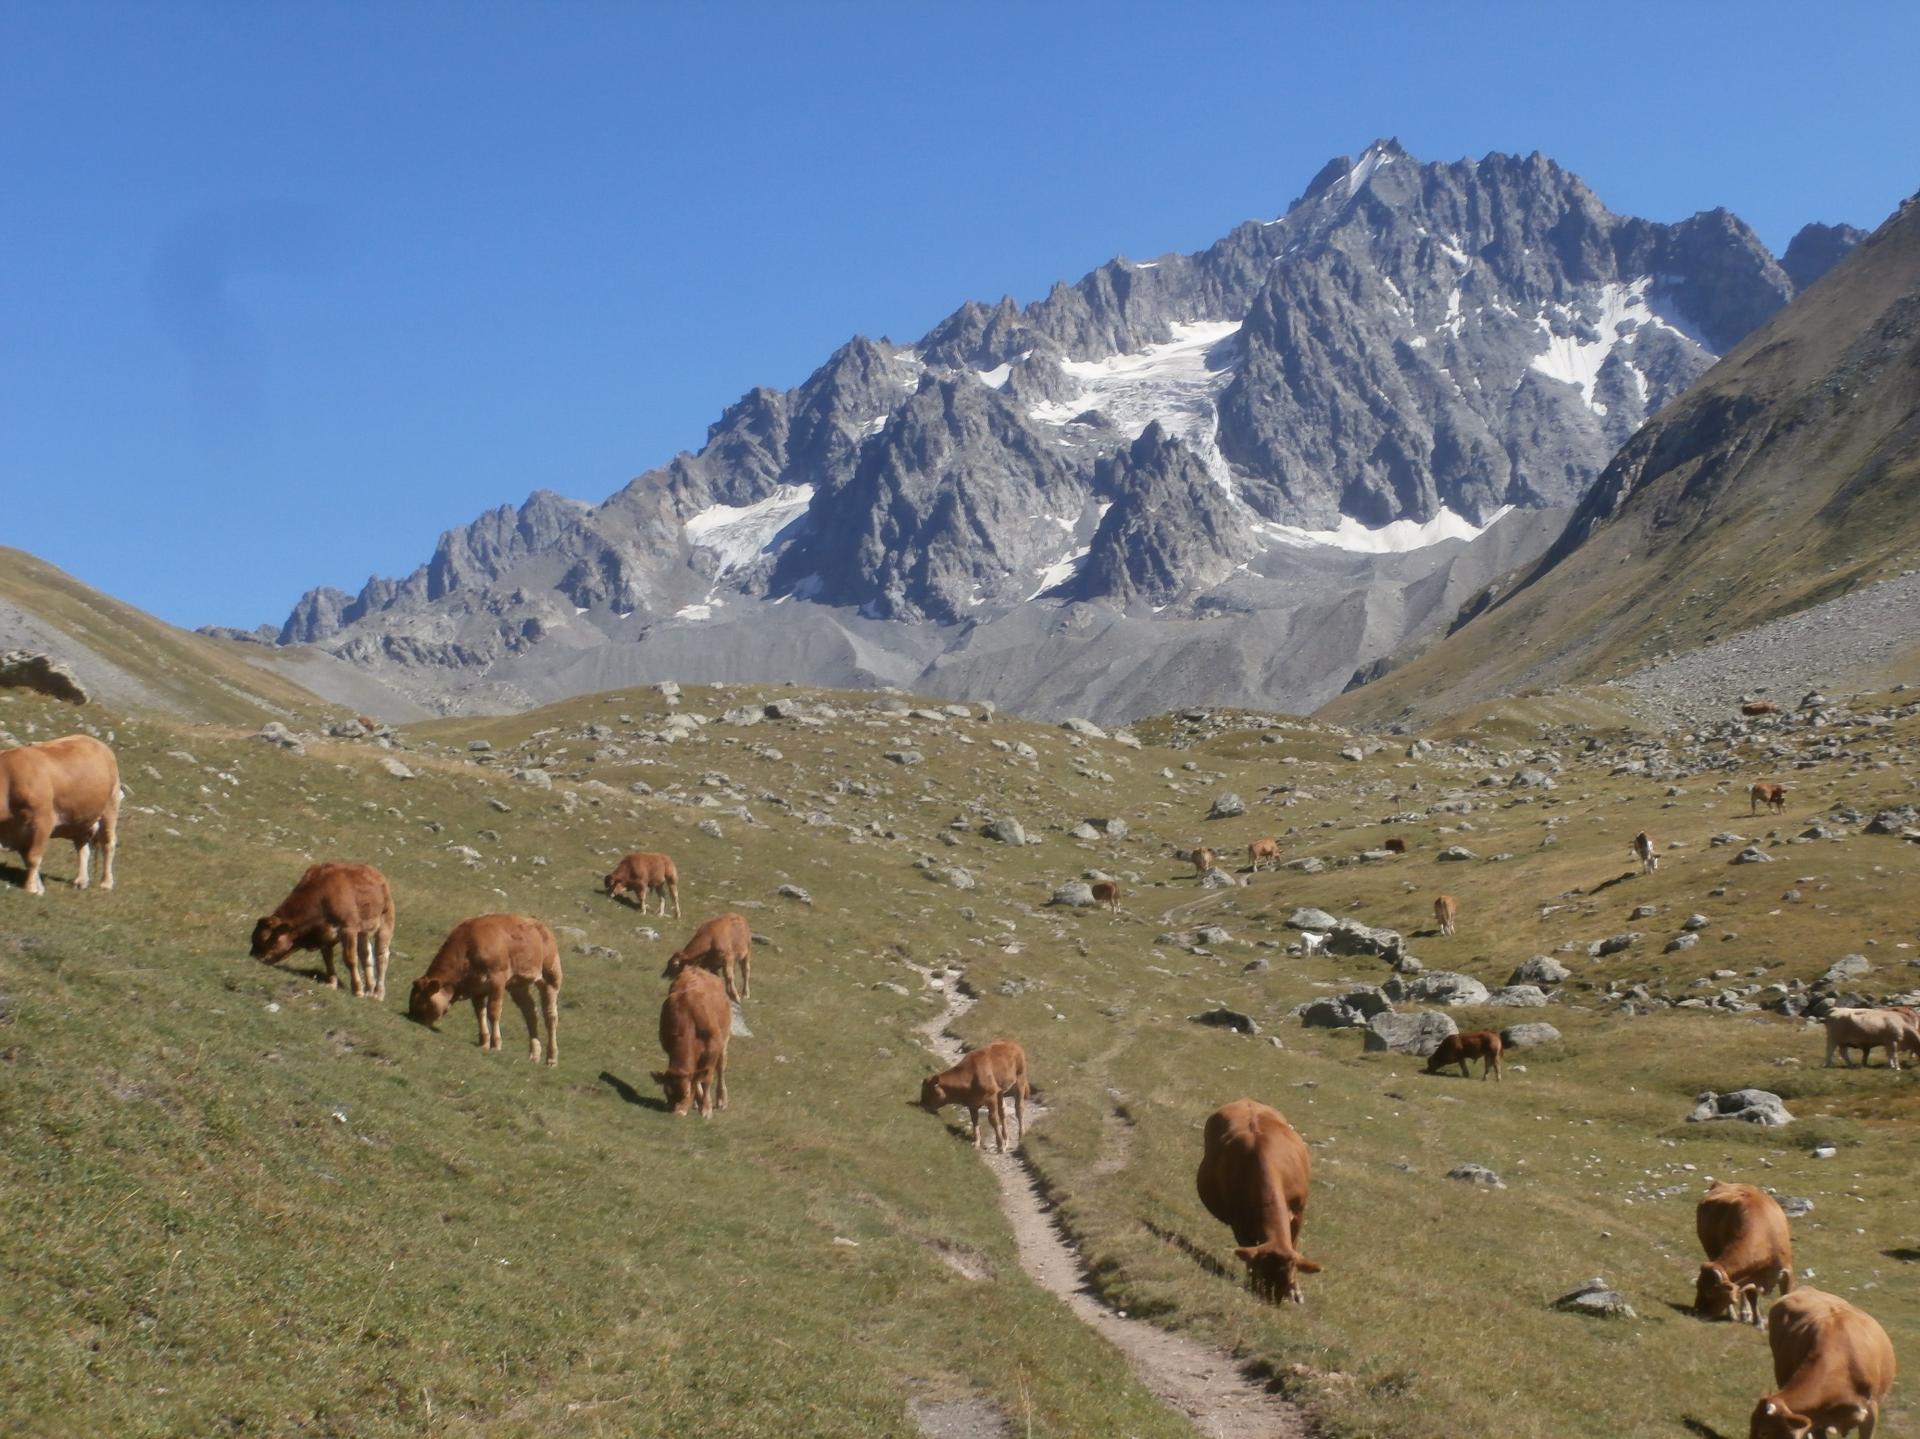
(76, 776)
(1810, 1326)
(1730, 1211)
(695, 1011)
(1247, 1146)
(514, 946)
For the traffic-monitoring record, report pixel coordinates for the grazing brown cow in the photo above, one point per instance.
(1481, 1044)
(1759, 707)
(1395, 846)
(1773, 796)
(1203, 859)
(61, 789)
(721, 944)
(982, 1080)
(1253, 1179)
(695, 1023)
(1749, 1252)
(1833, 1364)
(1446, 912)
(1265, 851)
(348, 905)
(1866, 1030)
(642, 873)
(1644, 852)
(485, 958)
(1107, 892)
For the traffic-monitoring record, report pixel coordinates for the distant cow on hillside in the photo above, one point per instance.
(982, 1080)
(61, 789)
(723, 944)
(1203, 859)
(1264, 851)
(1107, 892)
(349, 905)
(1395, 845)
(1253, 1178)
(1867, 1030)
(1773, 796)
(642, 873)
(1644, 851)
(695, 1024)
(484, 959)
(1481, 1044)
(1753, 708)
(1446, 913)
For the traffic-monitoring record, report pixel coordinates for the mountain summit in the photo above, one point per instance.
(1296, 431)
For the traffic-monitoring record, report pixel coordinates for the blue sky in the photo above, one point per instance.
(290, 288)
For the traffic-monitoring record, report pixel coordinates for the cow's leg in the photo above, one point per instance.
(522, 992)
(720, 1076)
(480, 1015)
(82, 863)
(33, 851)
(350, 952)
(496, 1001)
(1020, 1109)
(1828, 1062)
(107, 836)
(973, 1123)
(550, 1011)
(673, 888)
(326, 953)
(383, 953)
(746, 976)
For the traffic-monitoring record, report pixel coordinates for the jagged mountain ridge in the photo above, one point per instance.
(1414, 345)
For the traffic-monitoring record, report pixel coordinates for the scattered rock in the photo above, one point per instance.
(1353, 753)
(1083, 727)
(1849, 966)
(1227, 806)
(1613, 944)
(1476, 1174)
(1753, 854)
(1418, 1033)
(1227, 1019)
(1795, 1206)
(1455, 853)
(398, 770)
(479, 746)
(1006, 830)
(1077, 894)
(275, 733)
(43, 674)
(1754, 1106)
(1541, 970)
(1596, 1297)
(1528, 1036)
(538, 778)
(795, 893)
(1440, 986)
(906, 757)
(1518, 996)
(711, 829)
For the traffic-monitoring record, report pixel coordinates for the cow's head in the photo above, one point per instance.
(1273, 1269)
(429, 1001)
(682, 1090)
(675, 963)
(933, 1094)
(1716, 1296)
(1773, 1420)
(272, 940)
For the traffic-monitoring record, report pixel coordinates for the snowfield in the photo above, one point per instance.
(739, 534)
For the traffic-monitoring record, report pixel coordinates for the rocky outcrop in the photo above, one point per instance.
(41, 673)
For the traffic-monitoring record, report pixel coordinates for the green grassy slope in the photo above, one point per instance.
(246, 1204)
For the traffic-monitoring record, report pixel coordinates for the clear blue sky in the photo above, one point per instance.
(289, 288)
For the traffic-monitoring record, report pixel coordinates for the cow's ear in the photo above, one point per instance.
(1247, 1252)
(1305, 1265)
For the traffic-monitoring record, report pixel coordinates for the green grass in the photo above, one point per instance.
(203, 1246)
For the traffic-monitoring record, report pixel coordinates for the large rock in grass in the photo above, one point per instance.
(1328, 1014)
(43, 674)
(1542, 970)
(1317, 920)
(1753, 1106)
(1075, 894)
(1518, 996)
(1598, 1298)
(1441, 986)
(1526, 1036)
(1227, 1019)
(1007, 830)
(1418, 1034)
(1227, 805)
(1349, 936)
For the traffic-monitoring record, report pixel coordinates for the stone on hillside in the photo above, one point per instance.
(1795, 1206)
(1440, 986)
(1696, 921)
(1598, 1298)
(1306, 864)
(1076, 894)
(1317, 920)
(1686, 939)
(43, 674)
(743, 716)
(1007, 830)
(907, 757)
(1477, 1175)
(538, 778)
(1613, 944)
(1083, 727)
(1525, 1036)
(1328, 1014)
(393, 767)
(277, 734)
(1518, 996)
(954, 877)
(1218, 879)
(1754, 1106)
(780, 709)
(348, 729)
(710, 828)
(1893, 821)
(1349, 936)
(1083, 831)
(1111, 828)
(667, 689)
(1455, 853)
(1417, 1034)
(1847, 967)
(1227, 1019)
(1542, 969)
(794, 892)
(1227, 805)
(639, 786)
(1211, 934)
(1531, 779)
(1753, 854)
(1353, 753)
(479, 746)
(1366, 1000)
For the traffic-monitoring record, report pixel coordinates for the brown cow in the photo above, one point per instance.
(723, 942)
(1203, 859)
(1253, 1179)
(982, 1080)
(1446, 912)
(1866, 1030)
(695, 1023)
(61, 789)
(1749, 1252)
(1267, 850)
(642, 873)
(1773, 796)
(1395, 846)
(1481, 1044)
(1643, 851)
(1107, 892)
(1833, 1364)
(1759, 707)
(348, 905)
(485, 958)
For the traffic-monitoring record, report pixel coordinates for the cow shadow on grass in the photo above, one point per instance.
(1204, 1258)
(1701, 1427)
(632, 1096)
(1607, 884)
(1905, 1256)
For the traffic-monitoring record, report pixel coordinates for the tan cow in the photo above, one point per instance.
(1644, 851)
(1867, 1030)
(1773, 796)
(1446, 913)
(721, 944)
(1832, 1363)
(982, 1080)
(348, 905)
(1749, 1252)
(61, 789)
(642, 873)
(1759, 707)
(1481, 1044)
(1203, 859)
(1264, 851)
(1253, 1178)
(1107, 892)
(484, 959)
(695, 1024)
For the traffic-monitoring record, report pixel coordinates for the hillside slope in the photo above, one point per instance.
(1788, 475)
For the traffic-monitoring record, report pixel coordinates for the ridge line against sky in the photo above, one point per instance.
(300, 288)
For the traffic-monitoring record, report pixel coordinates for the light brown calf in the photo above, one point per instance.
(1759, 707)
(1253, 1178)
(1203, 859)
(721, 944)
(349, 905)
(1749, 1252)
(641, 873)
(1264, 851)
(484, 959)
(61, 789)
(1481, 1044)
(1643, 851)
(695, 1023)
(1832, 1363)
(983, 1080)
(1773, 796)
(1107, 892)
(1446, 913)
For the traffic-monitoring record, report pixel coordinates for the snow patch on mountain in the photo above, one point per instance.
(1582, 335)
(1393, 539)
(739, 534)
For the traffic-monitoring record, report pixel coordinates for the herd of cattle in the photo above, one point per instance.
(1833, 1363)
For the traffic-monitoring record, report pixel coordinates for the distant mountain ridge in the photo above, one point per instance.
(1409, 352)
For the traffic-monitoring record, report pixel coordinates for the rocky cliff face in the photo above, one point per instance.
(1407, 352)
